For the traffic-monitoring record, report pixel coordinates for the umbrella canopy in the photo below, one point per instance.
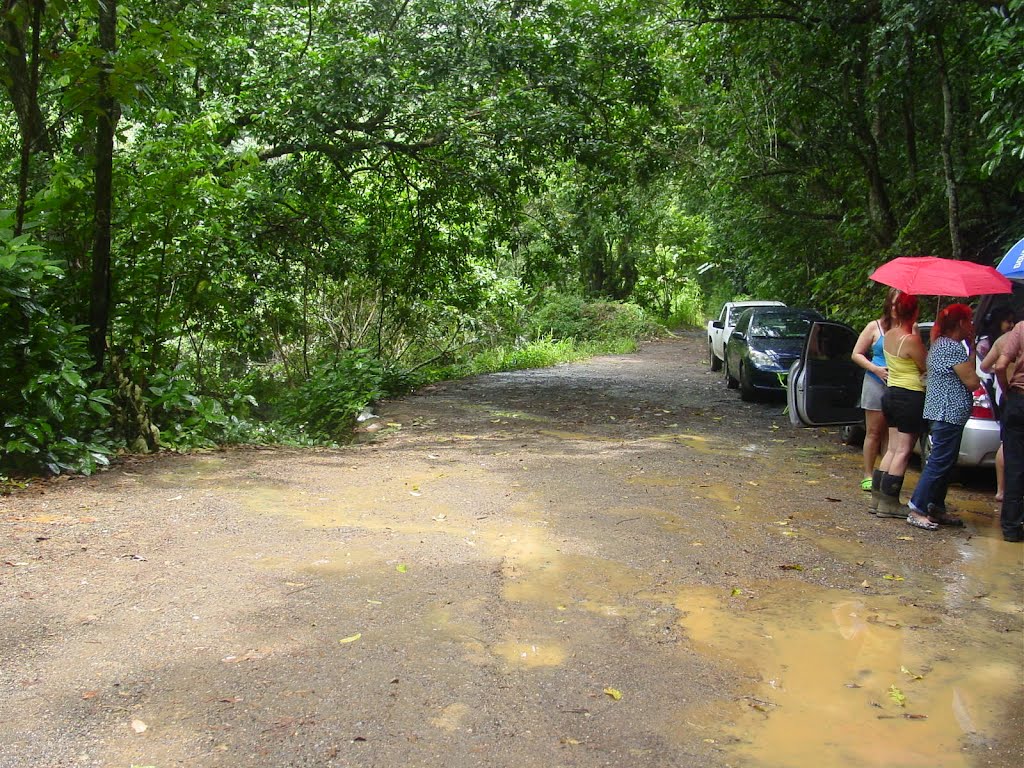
(1012, 264)
(932, 276)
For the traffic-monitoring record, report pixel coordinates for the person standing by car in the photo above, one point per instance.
(903, 402)
(1011, 352)
(870, 342)
(952, 379)
(996, 323)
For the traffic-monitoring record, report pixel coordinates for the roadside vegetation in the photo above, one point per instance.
(246, 221)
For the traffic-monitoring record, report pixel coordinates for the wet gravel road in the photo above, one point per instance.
(613, 562)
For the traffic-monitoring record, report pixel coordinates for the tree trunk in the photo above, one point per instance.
(20, 67)
(948, 129)
(106, 120)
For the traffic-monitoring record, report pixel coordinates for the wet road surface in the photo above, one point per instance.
(607, 563)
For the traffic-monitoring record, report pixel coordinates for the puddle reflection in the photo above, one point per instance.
(849, 680)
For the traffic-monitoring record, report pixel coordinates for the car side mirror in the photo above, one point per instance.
(736, 335)
(718, 324)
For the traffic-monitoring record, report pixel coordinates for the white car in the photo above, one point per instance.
(719, 330)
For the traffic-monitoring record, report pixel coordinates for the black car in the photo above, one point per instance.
(764, 344)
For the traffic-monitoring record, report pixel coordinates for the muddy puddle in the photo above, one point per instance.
(843, 679)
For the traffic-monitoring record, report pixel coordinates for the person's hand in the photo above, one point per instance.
(882, 372)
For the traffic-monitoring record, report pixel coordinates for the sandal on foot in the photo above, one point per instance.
(923, 523)
(865, 484)
(944, 518)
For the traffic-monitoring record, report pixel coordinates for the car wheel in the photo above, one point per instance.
(713, 362)
(852, 434)
(747, 392)
(730, 382)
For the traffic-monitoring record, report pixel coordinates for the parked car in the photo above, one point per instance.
(824, 390)
(763, 346)
(719, 330)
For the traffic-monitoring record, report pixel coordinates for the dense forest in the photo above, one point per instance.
(244, 220)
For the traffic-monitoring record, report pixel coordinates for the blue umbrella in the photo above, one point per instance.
(1012, 264)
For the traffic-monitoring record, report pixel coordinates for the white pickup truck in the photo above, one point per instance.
(719, 330)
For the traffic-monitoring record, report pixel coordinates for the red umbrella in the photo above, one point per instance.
(932, 276)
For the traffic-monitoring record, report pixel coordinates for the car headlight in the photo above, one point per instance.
(764, 359)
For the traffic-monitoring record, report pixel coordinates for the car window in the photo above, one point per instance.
(828, 342)
(734, 313)
(742, 322)
(779, 326)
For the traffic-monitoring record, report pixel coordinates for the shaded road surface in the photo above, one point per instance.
(607, 563)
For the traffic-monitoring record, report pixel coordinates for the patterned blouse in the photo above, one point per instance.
(946, 398)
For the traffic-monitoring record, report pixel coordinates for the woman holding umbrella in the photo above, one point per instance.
(903, 402)
(952, 378)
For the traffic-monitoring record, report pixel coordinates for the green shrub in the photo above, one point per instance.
(326, 405)
(54, 414)
(563, 316)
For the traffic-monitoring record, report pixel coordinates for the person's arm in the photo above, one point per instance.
(968, 374)
(915, 350)
(1000, 367)
(991, 356)
(862, 347)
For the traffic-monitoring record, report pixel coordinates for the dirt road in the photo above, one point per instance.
(606, 563)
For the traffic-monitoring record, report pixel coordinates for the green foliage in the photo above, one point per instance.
(541, 353)
(566, 316)
(326, 405)
(53, 413)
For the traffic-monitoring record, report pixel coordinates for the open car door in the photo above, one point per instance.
(823, 386)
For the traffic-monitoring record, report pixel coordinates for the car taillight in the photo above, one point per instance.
(981, 408)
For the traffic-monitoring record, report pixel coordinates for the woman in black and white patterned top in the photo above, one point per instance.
(952, 379)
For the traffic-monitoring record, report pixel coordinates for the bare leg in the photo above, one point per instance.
(1000, 474)
(901, 445)
(874, 438)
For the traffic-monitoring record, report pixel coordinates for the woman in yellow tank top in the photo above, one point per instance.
(903, 402)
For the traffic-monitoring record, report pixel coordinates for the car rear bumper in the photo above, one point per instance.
(980, 443)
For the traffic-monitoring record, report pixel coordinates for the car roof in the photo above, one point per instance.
(785, 310)
(755, 303)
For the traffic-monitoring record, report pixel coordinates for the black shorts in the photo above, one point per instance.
(904, 409)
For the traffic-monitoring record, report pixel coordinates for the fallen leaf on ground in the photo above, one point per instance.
(904, 538)
(351, 638)
(401, 568)
(911, 675)
(90, 694)
(615, 693)
(791, 567)
(138, 726)
(892, 577)
(897, 696)
(736, 591)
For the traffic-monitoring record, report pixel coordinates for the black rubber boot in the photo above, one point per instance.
(876, 491)
(889, 497)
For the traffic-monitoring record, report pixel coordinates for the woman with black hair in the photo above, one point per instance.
(994, 325)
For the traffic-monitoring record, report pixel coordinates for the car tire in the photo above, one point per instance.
(730, 382)
(713, 362)
(852, 434)
(747, 392)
